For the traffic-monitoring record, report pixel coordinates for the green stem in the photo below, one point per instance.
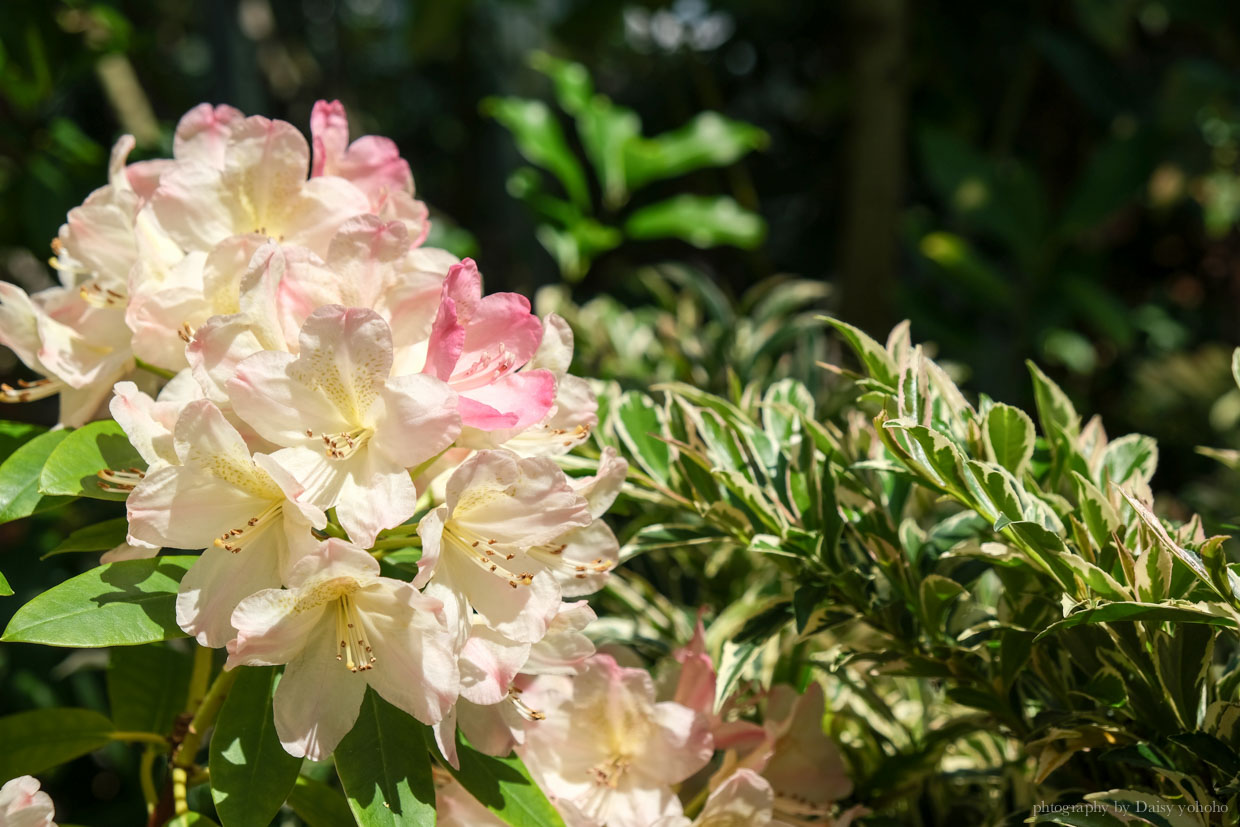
(145, 768)
(139, 737)
(149, 368)
(199, 677)
(184, 756)
(397, 542)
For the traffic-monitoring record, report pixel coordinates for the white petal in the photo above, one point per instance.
(317, 701)
(218, 581)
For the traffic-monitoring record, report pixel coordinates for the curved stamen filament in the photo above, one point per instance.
(486, 368)
(482, 553)
(355, 649)
(523, 709)
(346, 443)
(237, 538)
(120, 481)
(30, 391)
(96, 295)
(552, 556)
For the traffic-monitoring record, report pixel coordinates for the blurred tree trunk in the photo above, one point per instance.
(875, 163)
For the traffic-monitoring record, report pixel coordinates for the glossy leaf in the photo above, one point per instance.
(72, 468)
(1176, 611)
(504, 786)
(98, 537)
(43, 738)
(5, 588)
(638, 424)
(19, 478)
(116, 604)
(251, 774)
(1010, 437)
(703, 222)
(385, 767)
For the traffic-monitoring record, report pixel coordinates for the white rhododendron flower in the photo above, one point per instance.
(341, 627)
(745, 798)
(23, 804)
(606, 752)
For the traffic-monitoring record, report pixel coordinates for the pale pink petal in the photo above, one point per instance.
(524, 502)
(518, 612)
(419, 419)
(216, 350)
(271, 628)
(564, 649)
(318, 699)
(225, 267)
(375, 495)
(517, 401)
(489, 662)
(744, 798)
(267, 391)
(177, 507)
(585, 559)
(202, 133)
(219, 580)
(23, 804)
(147, 423)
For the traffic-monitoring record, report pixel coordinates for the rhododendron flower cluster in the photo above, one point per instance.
(328, 373)
(311, 389)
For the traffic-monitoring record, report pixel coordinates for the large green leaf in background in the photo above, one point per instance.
(319, 805)
(251, 774)
(98, 537)
(73, 467)
(504, 786)
(541, 141)
(701, 221)
(116, 604)
(19, 476)
(147, 686)
(385, 767)
(709, 140)
(42, 738)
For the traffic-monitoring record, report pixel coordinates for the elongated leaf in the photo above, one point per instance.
(638, 424)
(504, 786)
(874, 357)
(98, 537)
(147, 687)
(1177, 611)
(701, 221)
(385, 767)
(72, 468)
(19, 478)
(1010, 435)
(39, 740)
(117, 604)
(15, 434)
(5, 588)
(319, 805)
(541, 141)
(709, 140)
(251, 774)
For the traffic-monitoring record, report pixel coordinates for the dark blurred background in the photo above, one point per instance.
(1055, 181)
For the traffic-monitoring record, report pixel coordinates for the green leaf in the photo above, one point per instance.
(19, 478)
(5, 588)
(709, 140)
(1055, 410)
(385, 767)
(1176, 611)
(1099, 515)
(116, 604)
(98, 537)
(1130, 457)
(43, 738)
(251, 774)
(573, 86)
(191, 819)
(15, 434)
(147, 687)
(319, 805)
(541, 141)
(638, 422)
(504, 786)
(72, 468)
(874, 357)
(1009, 436)
(702, 221)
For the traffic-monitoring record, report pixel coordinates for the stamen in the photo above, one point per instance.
(523, 709)
(344, 444)
(120, 481)
(481, 552)
(96, 295)
(236, 539)
(30, 391)
(609, 772)
(552, 556)
(355, 650)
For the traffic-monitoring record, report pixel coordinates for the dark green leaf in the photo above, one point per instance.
(251, 774)
(72, 468)
(147, 687)
(1178, 612)
(319, 805)
(98, 537)
(43, 738)
(385, 767)
(116, 604)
